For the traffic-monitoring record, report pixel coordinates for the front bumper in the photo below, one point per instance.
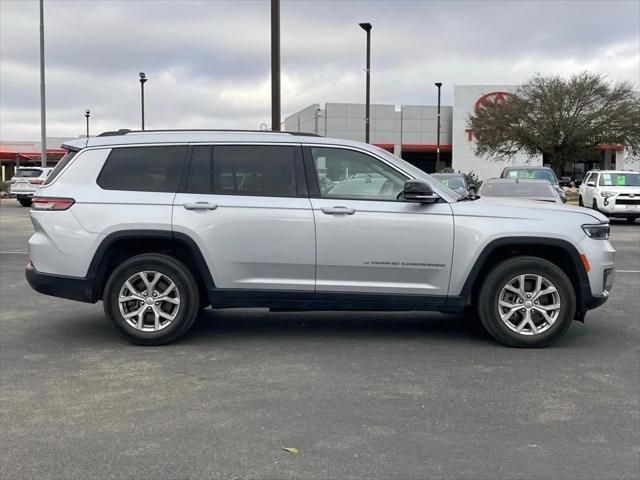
(611, 206)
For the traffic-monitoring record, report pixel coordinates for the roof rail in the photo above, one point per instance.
(125, 131)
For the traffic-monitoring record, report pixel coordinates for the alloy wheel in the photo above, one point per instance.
(149, 301)
(529, 304)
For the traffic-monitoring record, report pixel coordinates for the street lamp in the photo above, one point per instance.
(143, 79)
(87, 114)
(401, 127)
(439, 85)
(367, 28)
(275, 66)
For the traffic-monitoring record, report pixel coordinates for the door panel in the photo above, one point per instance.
(251, 242)
(368, 241)
(384, 247)
(245, 207)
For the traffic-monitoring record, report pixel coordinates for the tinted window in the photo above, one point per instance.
(350, 174)
(28, 172)
(143, 169)
(254, 170)
(200, 179)
(59, 166)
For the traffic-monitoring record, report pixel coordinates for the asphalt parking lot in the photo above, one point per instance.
(401, 395)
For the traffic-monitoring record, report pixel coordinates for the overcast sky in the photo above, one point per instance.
(208, 62)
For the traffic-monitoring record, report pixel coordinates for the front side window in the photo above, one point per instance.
(263, 170)
(143, 169)
(349, 174)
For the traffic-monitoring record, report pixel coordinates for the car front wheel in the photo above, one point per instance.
(526, 302)
(151, 299)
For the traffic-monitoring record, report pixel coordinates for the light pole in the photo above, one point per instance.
(43, 112)
(318, 114)
(87, 114)
(143, 80)
(439, 85)
(367, 28)
(401, 126)
(275, 65)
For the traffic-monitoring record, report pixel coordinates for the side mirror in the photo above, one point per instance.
(591, 184)
(418, 191)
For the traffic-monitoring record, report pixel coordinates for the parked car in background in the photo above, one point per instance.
(540, 190)
(616, 193)
(456, 182)
(537, 173)
(567, 182)
(26, 181)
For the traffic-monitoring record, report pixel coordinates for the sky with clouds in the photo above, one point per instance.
(208, 62)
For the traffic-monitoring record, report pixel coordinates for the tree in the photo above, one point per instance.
(562, 119)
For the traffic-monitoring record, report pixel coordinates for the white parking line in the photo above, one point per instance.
(14, 253)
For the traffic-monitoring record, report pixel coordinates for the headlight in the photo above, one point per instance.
(599, 231)
(607, 194)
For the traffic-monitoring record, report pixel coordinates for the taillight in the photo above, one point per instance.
(36, 182)
(52, 203)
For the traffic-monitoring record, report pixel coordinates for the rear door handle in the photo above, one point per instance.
(200, 206)
(338, 210)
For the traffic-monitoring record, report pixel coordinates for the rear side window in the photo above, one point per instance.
(28, 173)
(64, 161)
(254, 170)
(143, 169)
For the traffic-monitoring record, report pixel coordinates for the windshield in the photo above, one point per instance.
(532, 173)
(520, 189)
(630, 179)
(451, 182)
(28, 172)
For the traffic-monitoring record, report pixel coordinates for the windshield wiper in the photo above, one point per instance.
(468, 197)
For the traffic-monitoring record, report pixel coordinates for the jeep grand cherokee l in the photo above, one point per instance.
(158, 225)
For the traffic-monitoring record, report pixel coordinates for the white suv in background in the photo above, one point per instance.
(26, 181)
(616, 193)
(159, 225)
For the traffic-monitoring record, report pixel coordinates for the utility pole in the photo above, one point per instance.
(367, 28)
(275, 65)
(439, 85)
(43, 111)
(87, 114)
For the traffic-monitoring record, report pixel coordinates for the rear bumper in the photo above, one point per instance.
(72, 288)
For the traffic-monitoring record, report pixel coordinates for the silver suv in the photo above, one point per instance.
(159, 225)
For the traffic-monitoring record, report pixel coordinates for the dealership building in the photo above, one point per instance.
(410, 131)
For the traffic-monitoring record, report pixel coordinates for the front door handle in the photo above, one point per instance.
(338, 210)
(200, 206)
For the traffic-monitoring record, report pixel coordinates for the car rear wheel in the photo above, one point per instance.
(25, 201)
(151, 299)
(580, 202)
(526, 302)
(631, 219)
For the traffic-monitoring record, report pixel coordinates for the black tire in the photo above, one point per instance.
(595, 207)
(25, 202)
(507, 270)
(631, 219)
(174, 270)
(580, 202)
